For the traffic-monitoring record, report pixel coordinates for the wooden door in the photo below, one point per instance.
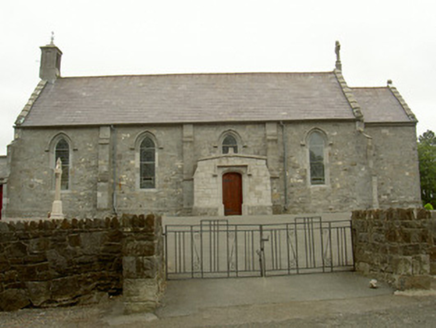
(232, 193)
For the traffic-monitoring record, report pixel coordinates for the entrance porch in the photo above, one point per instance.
(232, 184)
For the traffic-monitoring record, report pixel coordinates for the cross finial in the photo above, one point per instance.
(58, 164)
(52, 38)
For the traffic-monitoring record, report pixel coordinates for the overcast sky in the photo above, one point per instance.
(381, 40)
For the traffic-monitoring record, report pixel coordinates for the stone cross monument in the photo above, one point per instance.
(56, 212)
(338, 56)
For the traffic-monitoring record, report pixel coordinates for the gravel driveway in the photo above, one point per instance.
(378, 311)
(319, 300)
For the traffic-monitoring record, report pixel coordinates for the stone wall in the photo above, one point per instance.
(3, 179)
(208, 184)
(396, 246)
(345, 169)
(167, 197)
(3, 168)
(30, 191)
(66, 262)
(396, 165)
(362, 170)
(143, 264)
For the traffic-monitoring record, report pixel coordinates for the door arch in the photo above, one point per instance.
(232, 193)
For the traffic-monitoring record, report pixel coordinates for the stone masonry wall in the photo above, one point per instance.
(66, 262)
(362, 171)
(396, 166)
(31, 181)
(3, 168)
(143, 264)
(345, 169)
(167, 197)
(396, 246)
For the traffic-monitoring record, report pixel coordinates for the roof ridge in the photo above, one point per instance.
(200, 74)
(377, 87)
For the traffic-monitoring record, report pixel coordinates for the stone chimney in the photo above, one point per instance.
(50, 68)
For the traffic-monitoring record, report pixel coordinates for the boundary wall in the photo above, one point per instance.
(66, 262)
(396, 246)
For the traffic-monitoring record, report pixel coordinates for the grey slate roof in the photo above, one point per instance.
(380, 105)
(189, 98)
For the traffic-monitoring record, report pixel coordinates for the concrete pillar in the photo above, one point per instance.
(374, 181)
(143, 263)
(274, 166)
(272, 151)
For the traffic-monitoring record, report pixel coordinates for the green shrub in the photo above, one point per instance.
(428, 207)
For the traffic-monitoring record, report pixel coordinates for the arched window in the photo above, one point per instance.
(316, 157)
(147, 164)
(230, 144)
(62, 151)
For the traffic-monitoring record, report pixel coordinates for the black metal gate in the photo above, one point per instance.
(217, 249)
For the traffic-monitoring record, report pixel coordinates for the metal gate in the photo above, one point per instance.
(217, 249)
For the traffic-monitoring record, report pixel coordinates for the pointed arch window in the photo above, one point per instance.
(317, 158)
(230, 144)
(147, 164)
(62, 151)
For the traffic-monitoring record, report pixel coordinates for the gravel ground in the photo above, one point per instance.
(407, 310)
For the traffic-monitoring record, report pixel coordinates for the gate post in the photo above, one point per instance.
(261, 253)
(143, 263)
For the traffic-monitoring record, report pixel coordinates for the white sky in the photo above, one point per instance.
(381, 40)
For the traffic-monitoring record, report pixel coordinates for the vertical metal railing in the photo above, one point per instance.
(215, 248)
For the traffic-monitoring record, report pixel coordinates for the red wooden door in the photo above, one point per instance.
(232, 193)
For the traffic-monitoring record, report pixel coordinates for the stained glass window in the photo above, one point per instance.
(229, 142)
(147, 167)
(62, 151)
(316, 153)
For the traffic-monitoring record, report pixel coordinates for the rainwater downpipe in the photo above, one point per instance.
(114, 170)
(285, 166)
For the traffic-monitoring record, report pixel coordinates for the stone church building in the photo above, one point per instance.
(210, 144)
